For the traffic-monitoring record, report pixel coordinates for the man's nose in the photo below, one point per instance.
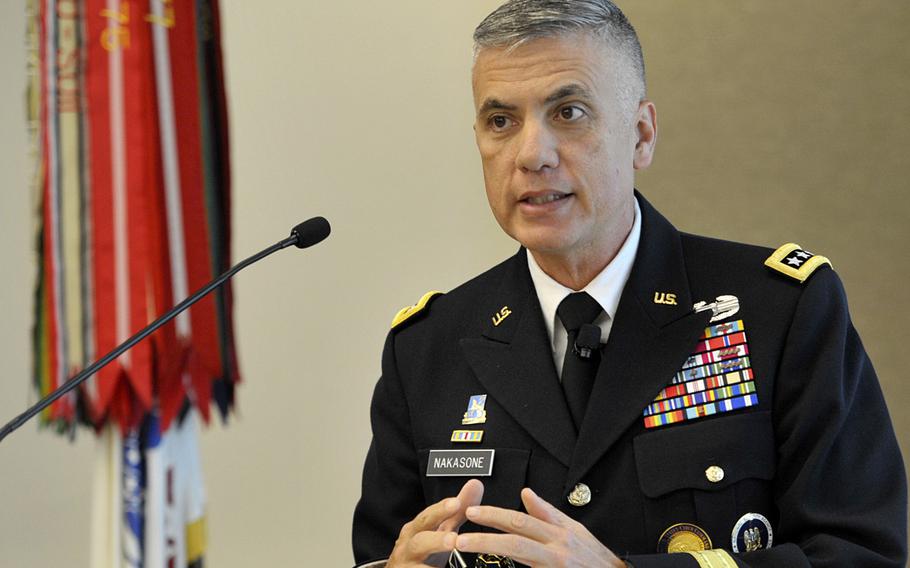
(537, 148)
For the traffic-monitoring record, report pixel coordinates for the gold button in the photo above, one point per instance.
(580, 496)
(714, 473)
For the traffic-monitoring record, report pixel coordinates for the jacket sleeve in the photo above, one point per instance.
(391, 492)
(839, 485)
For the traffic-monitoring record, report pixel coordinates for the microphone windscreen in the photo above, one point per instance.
(588, 336)
(311, 231)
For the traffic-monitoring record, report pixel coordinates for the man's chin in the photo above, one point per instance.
(550, 245)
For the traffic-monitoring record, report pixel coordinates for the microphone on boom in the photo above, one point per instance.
(303, 235)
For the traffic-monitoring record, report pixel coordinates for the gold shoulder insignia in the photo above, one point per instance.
(795, 262)
(406, 312)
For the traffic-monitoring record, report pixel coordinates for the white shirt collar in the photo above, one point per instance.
(606, 287)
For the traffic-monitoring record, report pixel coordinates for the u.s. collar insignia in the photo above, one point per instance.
(666, 298)
(493, 560)
(721, 308)
(752, 532)
(501, 315)
(795, 261)
(684, 537)
(476, 413)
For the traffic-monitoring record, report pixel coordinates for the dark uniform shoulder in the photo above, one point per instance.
(790, 260)
(710, 248)
(456, 302)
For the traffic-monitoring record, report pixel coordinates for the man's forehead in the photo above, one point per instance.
(544, 70)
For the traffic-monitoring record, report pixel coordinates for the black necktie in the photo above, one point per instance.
(578, 311)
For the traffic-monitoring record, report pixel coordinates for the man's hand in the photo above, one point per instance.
(430, 537)
(544, 537)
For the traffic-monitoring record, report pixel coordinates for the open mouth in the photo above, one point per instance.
(545, 198)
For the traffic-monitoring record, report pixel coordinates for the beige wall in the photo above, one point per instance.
(779, 121)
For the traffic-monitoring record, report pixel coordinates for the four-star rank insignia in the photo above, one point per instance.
(796, 262)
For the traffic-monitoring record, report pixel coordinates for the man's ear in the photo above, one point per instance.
(646, 130)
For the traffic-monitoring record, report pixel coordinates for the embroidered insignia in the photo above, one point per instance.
(752, 532)
(716, 377)
(795, 262)
(407, 312)
(467, 435)
(683, 537)
(476, 413)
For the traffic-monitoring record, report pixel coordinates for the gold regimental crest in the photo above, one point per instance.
(795, 261)
(410, 311)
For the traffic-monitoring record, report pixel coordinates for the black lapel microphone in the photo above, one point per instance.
(588, 340)
(306, 234)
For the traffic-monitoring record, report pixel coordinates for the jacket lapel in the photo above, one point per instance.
(649, 341)
(513, 362)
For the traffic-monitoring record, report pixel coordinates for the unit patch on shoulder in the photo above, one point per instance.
(796, 262)
(407, 312)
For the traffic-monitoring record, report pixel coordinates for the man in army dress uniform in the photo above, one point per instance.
(619, 393)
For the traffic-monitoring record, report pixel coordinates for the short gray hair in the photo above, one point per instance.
(520, 21)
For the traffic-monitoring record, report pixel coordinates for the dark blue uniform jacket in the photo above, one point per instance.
(817, 455)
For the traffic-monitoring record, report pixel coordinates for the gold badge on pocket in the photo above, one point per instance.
(683, 537)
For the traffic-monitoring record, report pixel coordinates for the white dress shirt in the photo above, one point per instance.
(606, 288)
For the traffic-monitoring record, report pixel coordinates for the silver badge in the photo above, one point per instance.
(752, 532)
(721, 308)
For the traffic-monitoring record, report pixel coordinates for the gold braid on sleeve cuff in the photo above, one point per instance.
(713, 559)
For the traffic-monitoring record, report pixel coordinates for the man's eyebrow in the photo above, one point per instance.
(494, 104)
(571, 90)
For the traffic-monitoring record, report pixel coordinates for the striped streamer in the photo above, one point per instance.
(128, 110)
(128, 124)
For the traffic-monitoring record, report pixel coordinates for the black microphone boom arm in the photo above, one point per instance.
(303, 235)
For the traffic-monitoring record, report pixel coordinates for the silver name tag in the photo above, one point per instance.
(468, 463)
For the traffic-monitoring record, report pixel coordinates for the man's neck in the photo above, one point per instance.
(574, 273)
(578, 269)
